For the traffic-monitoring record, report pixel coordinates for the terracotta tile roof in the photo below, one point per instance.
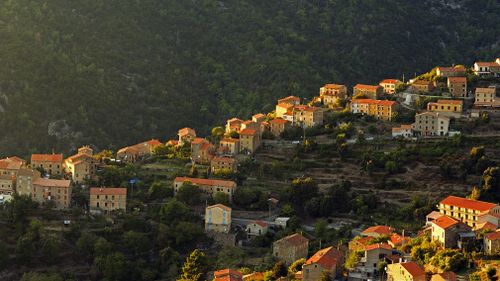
(378, 246)
(289, 99)
(305, 108)
(224, 207)
(279, 121)
(54, 158)
(448, 276)
(380, 229)
(51, 182)
(224, 159)
(389, 81)
(421, 82)
(367, 87)
(487, 63)
(231, 140)
(372, 101)
(458, 102)
(457, 79)
(209, 182)
(486, 90)
(6, 164)
(493, 236)
(445, 222)
(199, 141)
(186, 131)
(434, 114)
(26, 172)
(468, 203)
(234, 120)
(434, 215)
(451, 68)
(364, 240)
(228, 278)
(108, 191)
(172, 142)
(154, 142)
(413, 268)
(15, 159)
(294, 239)
(248, 132)
(327, 257)
(128, 149)
(227, 271)
(397, 239)
(485, 226)
(334, 86)
(259, 115)
(260, 223)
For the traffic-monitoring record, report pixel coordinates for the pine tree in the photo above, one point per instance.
(195, 267)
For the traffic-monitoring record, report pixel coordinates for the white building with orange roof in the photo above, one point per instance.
(445, 230)
(404, 131)
(405, 271)
(229, 146)
(233, 125)
(207, 186)
(328, 259)
(50, 163)
(457, 86)
(218, 218)
(466, 210)
(390, 85)
(249, 141)
(257, 228)
(186, 135)
(367, 267)
(368, 91)
(450, 108)
(487, 68)
(57, 191)
(108, 199)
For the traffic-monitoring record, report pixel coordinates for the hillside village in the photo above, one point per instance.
(395, 181)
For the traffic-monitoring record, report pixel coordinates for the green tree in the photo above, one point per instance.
(195, 267)
(279, 270)
(221, 198)
(35, 276)
(296, 266)
(85, 245)
(102, 247)
(189, 194)
(111, 266)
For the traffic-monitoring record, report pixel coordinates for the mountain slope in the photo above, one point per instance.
(111, 73)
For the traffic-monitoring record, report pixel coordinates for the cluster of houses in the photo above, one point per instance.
(50, 178)
(458, 223)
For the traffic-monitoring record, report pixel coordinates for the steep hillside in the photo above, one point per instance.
(110, 73)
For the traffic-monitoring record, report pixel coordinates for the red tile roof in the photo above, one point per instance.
(334, 86)
(305, 108)
(289, 99)
(248, 132)
(224, 207)
(378, 246)
(259, 115)
(413, 268)
(448, 276)
(198, 141)
(7, 164)
(294, 239)
(327, 257)
(227, 274)
(230, 140)
(372, 101)
(380, 229)
(367, 87)
(421, 82)
(364, 240)
(397, 239)
(260, 223)
(54, 158)
(51, 182)
(487, 63)
(389, 81)
(108, 191)
(493, 236)
(468, 203)
(209, 182)
(485, 226)
(279, 121)
(154, 142)
(445, 222)
(186, 131)
(460, 102)
(457, 79)
(451, 68)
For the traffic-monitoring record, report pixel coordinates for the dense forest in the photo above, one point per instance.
(112, 73)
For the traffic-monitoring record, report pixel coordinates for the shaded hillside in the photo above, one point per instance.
(111, 73)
